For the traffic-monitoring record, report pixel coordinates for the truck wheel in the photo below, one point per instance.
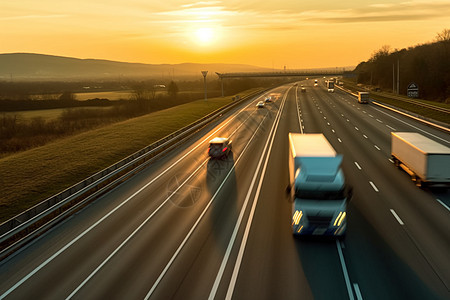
(396, 162)
(419, 182)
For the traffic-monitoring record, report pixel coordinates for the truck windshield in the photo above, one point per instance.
(320, 195)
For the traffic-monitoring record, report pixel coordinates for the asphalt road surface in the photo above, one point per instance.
(188, 227)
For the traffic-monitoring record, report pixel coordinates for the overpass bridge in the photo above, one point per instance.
(291, 73)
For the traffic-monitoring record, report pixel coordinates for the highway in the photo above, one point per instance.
(188, 227)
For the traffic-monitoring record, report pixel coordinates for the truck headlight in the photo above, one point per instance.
(297, 217)
(340, 218)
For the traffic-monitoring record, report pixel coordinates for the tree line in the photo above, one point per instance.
(427, 65)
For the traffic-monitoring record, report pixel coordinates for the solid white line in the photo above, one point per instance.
(374, 186)
(443, 204)
(154, 212)
(240, 256)
(163, 273)
(357, 165)
(56, 254)
(133, 233)
(357, 291)
(241, 215)
(344, 270)
(397, 217)
(378, 148)
(415, 127)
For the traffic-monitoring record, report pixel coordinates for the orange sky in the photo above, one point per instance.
(292, 33)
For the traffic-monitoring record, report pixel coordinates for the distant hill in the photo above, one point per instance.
(30, 66)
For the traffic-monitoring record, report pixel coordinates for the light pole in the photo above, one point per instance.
(204, 78)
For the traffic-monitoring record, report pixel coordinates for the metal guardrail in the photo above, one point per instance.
(407, 100)
(23, 227)
(432, 123)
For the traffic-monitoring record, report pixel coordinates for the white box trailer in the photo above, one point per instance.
(317, 186)
(426, 161)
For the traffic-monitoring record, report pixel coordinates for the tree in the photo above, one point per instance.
(172, 90)
(443, 36)
(67, 96)
(384, 51)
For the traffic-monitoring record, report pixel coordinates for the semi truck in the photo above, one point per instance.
(317, 187)
(426, 161)
(330, 86)
(363, 97)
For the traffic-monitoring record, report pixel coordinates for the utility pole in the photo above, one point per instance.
(393, 79)
(204, 78)
(398, 76)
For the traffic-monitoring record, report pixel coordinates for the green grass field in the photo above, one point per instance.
(31, 176)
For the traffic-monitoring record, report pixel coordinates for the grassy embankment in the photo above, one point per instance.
(386, 98)
(34, 175)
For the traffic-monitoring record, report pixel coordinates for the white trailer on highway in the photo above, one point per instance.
(426, 161)
(317, 186)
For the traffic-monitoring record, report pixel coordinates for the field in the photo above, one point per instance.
(118, 95)
(31, 176)
(45, 114)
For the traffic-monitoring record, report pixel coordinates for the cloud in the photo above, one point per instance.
(24, 17)
(201, 3)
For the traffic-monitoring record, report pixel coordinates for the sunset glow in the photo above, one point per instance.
(298, 34)
(204, 35)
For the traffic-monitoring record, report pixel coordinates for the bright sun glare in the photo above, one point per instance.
(204, 35)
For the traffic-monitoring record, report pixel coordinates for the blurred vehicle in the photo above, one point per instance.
(316, 84)
(363, 97)
(268, 99)
(219, 147)
(425, 160)
(260, 104)
(303, 90)
(330, 86)
(317, 187)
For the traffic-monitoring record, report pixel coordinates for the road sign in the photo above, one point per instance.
(412, 90)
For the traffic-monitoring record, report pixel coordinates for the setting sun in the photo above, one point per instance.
(204, 35)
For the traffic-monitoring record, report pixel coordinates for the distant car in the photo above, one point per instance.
(260, 104)
(268, 99)
(303, 90)
(316, 84)
(219, 147)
